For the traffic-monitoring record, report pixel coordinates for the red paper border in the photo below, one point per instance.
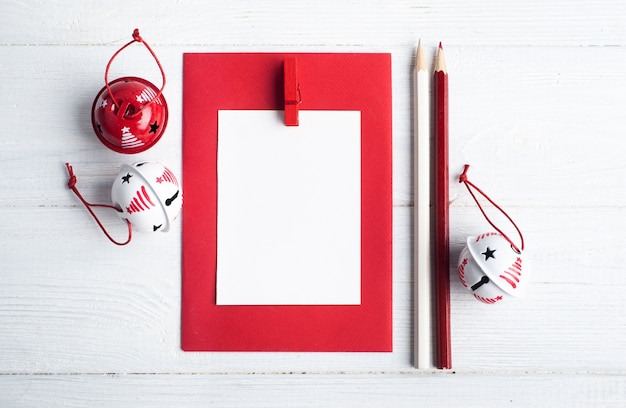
(215, 81)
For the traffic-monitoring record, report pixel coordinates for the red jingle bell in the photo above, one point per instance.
(127, 117)
(129, 114)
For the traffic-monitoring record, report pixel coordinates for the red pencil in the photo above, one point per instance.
(441, 219)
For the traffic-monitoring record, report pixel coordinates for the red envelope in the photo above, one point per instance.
(236, 81)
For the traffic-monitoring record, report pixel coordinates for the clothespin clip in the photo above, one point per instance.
(292, 91)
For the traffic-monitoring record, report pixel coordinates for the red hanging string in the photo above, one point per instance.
(136, 38)
(72, 186)
(468, 184)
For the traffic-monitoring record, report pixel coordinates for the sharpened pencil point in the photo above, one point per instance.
(440, 62)
(420, 61)
(440, 46)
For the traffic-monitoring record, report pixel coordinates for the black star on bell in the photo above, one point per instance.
(99, 126)
(126, 178)
(489, 253)
(153, 127)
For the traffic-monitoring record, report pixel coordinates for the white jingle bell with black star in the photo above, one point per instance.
(149, 196)
(493, 269)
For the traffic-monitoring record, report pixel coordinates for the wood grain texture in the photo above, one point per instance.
(283, 22)
(310, 390)
(536, 107)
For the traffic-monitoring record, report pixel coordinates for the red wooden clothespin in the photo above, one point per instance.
(292, 91)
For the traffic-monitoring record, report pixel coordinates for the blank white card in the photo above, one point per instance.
(289, 208)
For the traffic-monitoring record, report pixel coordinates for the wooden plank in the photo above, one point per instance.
(323, 22)
(298, 390)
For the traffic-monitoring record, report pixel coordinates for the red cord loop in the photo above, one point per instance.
(71, 184)
(139, 39)
(468, 184)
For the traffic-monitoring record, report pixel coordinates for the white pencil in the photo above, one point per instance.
(422, 228)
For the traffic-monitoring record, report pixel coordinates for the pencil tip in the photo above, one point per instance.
(420, 63)
(440, 63)
(440, 46)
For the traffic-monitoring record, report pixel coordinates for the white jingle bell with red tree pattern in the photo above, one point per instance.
(491, 268)
(148, 195)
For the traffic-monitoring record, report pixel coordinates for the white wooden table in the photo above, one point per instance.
(537, 107)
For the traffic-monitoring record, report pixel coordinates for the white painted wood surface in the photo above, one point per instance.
(537, 108)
